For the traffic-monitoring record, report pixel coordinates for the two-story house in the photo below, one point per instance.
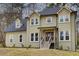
(52, 28)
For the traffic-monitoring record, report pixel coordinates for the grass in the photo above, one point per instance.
(35, 52)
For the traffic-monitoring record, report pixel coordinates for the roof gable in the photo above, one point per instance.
(34, 13)
(12, 28)
(64, 8)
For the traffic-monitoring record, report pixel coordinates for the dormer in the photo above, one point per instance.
(18, 23)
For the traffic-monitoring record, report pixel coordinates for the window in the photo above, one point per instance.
(20, 38)
(61, 19)
(32, 21)
(64, 35)
(36, 21)
(61, 35)
(32, 36)
(36, 36)
(67, 35)
(10, 40)
(66, 18)
(49, 19)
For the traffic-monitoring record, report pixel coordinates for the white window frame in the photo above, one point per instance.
(69, 36)
(34, 37)
(11, 37)
(59, 35)
(64, 36)
(37, 20)
(47, 20)
(64, 17)
(31, 21)
(19, 38)
(34, 19)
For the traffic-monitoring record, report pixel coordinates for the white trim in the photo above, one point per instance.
(63, 8)
(34, 21)
(60, 18)
(64, 36)
(19, 38)
(34, 37)
(50, 18)
(64, 17)
(11, 37)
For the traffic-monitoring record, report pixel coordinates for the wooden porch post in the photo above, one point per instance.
(54, 37)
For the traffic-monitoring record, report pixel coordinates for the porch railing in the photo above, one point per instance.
(42, 42)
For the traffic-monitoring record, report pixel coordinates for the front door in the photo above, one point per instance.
(50, 39)
(49, 36)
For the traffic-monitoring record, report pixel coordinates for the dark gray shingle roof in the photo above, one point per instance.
(49, 11)
(52, 10)
(12, 28)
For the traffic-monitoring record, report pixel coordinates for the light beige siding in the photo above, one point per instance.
(32, 29)
(16, 38)
(44, 22)
(67, 26)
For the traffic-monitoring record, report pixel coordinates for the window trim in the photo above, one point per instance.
(64, 19)
(22, 38)
(34, 23)
(69, 35)
(34, 37)
(51, 20)
(37, 21)
(11, 37)
(31, 21)
(64, 36)
(31, 37)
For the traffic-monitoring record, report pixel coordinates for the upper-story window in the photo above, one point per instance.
(66, 18)
(49, 19)
(63, 18)
(34, 21)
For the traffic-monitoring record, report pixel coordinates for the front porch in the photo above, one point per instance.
(48, 37)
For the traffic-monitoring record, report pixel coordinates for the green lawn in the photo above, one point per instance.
(35, 52)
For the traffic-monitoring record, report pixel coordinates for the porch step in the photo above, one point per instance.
(45, 46)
